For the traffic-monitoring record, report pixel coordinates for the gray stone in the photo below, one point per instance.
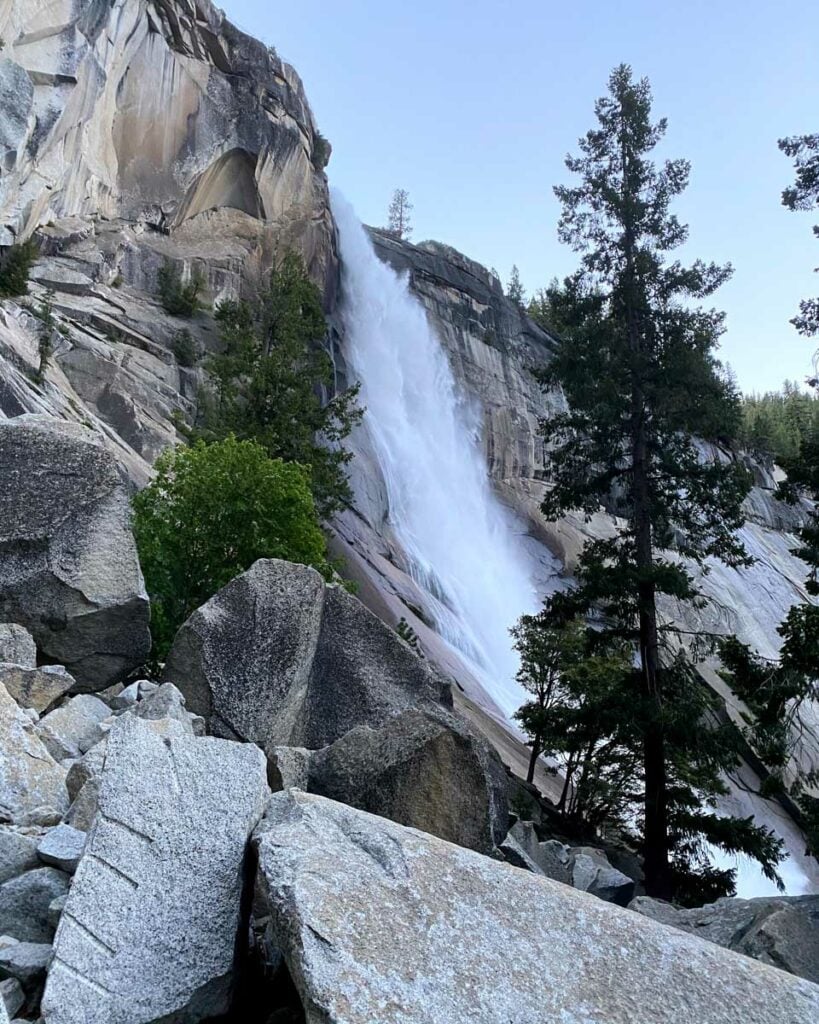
(24, 903)
(68, 565)
(12, 998)
(165, 702)
(382, 923)
(26, 961)
(151, 922)
(18, 852)
(513, 853)
(72, 729)
(17, 645)
(551, 857)
(62, 848)
(289, 768)
(29, 777)
(426, 772)
(592, 873)
(782, 931)
(37, 688)
(279, 658)
(56, 908)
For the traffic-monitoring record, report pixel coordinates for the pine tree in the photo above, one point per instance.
(398, 222)
(269, 381)
(804, 195)
(514, 290)
(645, 394)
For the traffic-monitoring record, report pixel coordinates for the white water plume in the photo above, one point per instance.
(463, 546)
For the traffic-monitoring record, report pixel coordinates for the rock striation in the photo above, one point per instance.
(151, 924)
(382, 923)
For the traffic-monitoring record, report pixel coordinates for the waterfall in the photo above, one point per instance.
(464, 548)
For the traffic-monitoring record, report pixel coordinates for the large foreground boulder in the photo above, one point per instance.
(428, 772)
(68, 564)
(382, 923)
(782, 930)
(150, 927)
(279, 658)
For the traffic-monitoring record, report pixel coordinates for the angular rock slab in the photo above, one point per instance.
(29, 777)
(427, 772)
(782, 931)
(68, 563)
(382, 923)
(279, 658)
(151, 922)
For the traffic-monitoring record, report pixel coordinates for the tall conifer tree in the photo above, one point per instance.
(646, 395)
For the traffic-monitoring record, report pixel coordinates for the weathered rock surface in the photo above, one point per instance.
(30, 778)
(18, 851)
(382, 923)
(24, 903)
(592, 873)
(150, 926)
(782, 932)
(62, 848)
(73, 728)
(17, 645)
(225, 126)
(430, 773)
(68, 565)
(38, 688)
(12, 998)
(279, 658)
(26, 961)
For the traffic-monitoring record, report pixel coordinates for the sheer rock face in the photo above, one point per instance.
(382, 923)
(224, 124)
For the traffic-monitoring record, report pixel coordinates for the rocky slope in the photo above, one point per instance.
(146, 872)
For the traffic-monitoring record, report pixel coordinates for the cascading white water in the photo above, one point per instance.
(462, 544)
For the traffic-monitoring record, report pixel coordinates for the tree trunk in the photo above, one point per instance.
(530, 775)
(656, 842)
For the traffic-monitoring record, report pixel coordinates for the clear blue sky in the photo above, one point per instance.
(472, 105)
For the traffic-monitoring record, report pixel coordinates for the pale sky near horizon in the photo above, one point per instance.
(471, 105)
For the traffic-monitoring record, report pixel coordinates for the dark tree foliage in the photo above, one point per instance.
(646, 396)
(399, 223)
(777, 424)
(804, 195)
(178, 297)
(269, 383)
(15, 265)
(514, 289)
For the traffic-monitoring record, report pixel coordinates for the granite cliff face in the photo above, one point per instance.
(136, 132)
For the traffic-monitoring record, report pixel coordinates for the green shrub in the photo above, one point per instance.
(184, 348)
(322, 151)
(15, 265)
(45, 314)
(211, 511)
(179, 298)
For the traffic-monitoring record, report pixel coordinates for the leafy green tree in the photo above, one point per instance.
(645, 394)
(15, 265)
(210, 512)
(270, 382)
(777, 424)
(804, 195)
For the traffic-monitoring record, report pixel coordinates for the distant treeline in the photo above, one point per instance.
(778, 423)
